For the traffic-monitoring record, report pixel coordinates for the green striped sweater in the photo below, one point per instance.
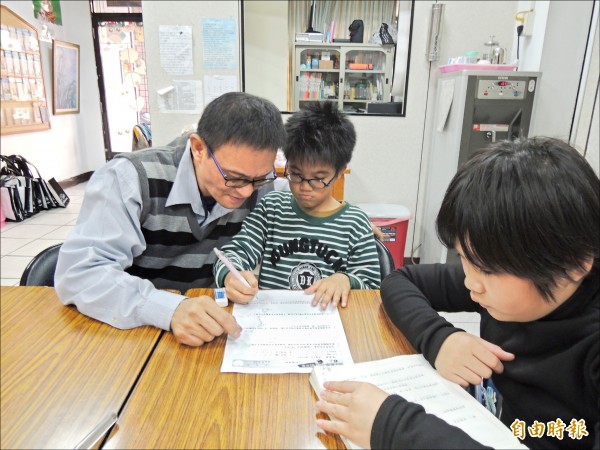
(296, 249)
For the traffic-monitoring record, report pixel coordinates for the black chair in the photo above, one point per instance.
(40, 270)
(386, 260)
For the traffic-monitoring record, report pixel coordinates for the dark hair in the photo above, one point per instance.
(320, 134)
(242, 119)
(529, 208)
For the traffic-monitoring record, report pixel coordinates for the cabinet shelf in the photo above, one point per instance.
(321, 70)
(320, 84)
(364, 71)
(317, 99)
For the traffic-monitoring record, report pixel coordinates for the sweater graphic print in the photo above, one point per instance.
(295, 249)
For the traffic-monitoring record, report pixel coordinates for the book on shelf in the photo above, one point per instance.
(413, 378)
(309, 37)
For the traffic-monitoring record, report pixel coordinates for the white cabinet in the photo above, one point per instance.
(353, 75)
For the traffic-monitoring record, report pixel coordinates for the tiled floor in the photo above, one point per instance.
(21, 241)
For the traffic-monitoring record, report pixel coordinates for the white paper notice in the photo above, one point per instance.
(283, 333)
(176, 49)
(184, 96)
(217, 85)
(445, 101)
(219, 43)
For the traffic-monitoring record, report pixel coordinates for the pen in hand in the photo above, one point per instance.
(236, 273)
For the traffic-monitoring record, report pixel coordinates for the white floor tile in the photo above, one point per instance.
(77, 189)
(13, 266)
(76, 199)
(21, 241)
(35, 247)
(43, 218)
(26, 230)
(60, 233)
(7, 226)
(72, 208)
(9, 245)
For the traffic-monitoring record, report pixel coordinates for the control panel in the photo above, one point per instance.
(502, 88)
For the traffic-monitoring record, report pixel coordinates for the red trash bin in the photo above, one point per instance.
(392, 220)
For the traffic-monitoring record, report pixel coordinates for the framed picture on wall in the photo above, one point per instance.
(65, 77)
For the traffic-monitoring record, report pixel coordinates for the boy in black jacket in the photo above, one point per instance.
(524, 218)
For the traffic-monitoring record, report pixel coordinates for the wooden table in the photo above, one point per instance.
(183, 401)
(62, 372)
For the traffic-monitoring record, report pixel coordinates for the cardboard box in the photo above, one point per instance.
(358, 66)
(325, 64)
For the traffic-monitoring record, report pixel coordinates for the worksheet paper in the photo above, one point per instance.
(283, 333)
(413, 378)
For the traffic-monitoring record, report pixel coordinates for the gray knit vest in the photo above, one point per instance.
(178, 253)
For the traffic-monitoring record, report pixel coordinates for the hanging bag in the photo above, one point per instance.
(384, 34)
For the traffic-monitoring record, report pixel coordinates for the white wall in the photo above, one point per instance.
(74, 143)
(167, 126)
(586, 131)
(265, 35)
(565, 38)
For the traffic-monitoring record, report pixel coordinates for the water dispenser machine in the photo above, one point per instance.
(473, 109)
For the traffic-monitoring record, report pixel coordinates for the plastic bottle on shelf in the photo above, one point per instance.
(361, 90)
(471, 57)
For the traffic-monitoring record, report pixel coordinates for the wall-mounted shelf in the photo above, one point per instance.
(24, 106)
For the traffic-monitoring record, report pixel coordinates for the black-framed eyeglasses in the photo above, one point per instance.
(315, 183)
(241, 182)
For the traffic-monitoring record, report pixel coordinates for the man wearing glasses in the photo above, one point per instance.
(150, 219)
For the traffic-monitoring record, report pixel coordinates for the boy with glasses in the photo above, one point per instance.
(150, 219)
(306, 239)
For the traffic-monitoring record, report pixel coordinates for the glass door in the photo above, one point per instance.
(121, 66)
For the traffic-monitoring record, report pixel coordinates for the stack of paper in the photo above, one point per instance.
(309, 37)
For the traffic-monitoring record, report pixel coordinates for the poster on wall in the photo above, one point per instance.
(47, 11)
(176, 49)
(65, 74)
(217, 85)
(219, 42)
(181, 97)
